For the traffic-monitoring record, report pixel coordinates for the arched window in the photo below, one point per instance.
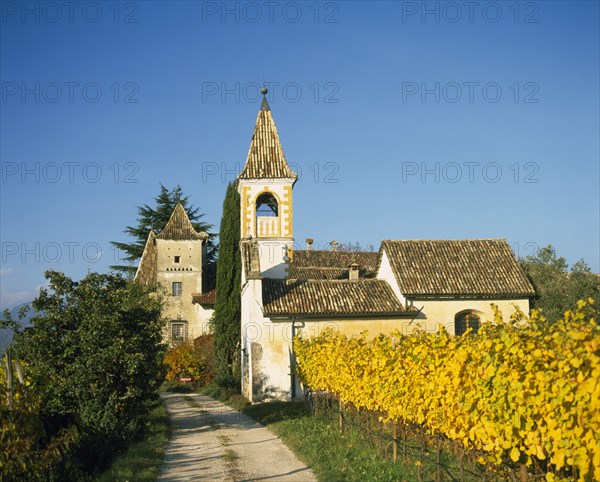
(266, 205)
(465, 320)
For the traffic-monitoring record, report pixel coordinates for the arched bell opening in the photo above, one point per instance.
(267, 216)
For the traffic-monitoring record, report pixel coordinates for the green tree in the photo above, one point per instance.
(226, 320)
(156, 218)
(557, 288)
(94, 358)
(356, 247)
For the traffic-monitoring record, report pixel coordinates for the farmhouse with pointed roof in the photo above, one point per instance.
(174, 259)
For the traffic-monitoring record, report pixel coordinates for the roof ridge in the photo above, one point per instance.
(440, 240)
(146, 270)
(311, 280)
(330, 251)
(179, 226)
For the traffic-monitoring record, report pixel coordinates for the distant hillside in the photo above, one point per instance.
(6, 335)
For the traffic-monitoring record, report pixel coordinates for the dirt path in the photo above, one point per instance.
(210, 441)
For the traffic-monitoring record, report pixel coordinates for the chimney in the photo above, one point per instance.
(309, 244)
(353, 271)
(334, 245)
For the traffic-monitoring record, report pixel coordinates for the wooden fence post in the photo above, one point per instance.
(438, 460)
(19, 372)
(395, 440)
(404, 452)
(523, 473)
(9, 377)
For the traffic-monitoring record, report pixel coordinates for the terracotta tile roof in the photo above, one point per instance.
(179, 227)
(265, 157)
(205, 298)
(320, 264)
(476, 267)
(297, 272)
(329, 298)
(147, 269)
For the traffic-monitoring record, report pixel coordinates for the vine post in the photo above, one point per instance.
(395, 440)
(9, 377)
(522, 473)
(438, 460)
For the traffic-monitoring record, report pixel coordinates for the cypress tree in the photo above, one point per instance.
(226, 319)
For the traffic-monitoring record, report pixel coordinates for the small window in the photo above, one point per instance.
(178, 331)
(463, 321)
(177, 259)
(176, 291)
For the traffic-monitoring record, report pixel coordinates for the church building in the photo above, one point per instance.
(405, 285)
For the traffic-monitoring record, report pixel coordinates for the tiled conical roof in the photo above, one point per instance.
(265, 156)
(146, 272)
(179, 227)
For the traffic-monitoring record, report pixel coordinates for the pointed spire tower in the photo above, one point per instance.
(265, 186)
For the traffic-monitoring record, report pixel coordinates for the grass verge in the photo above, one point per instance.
(143, 459)
(172, 386)
(229, 396)
(335, 456)
(331, 455)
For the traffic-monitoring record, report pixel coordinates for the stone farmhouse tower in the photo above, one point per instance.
(174, 259)
(265, 187)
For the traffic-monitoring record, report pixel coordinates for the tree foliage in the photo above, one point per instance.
(356, 246)
(193, 360)
(226, 321)
(558, 288)
(28, 453)
(93, 357)
(156, 218)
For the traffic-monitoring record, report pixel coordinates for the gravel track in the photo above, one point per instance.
(211, 441)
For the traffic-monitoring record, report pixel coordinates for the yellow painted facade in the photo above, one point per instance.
(269, 341)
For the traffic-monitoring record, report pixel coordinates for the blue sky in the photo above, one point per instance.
(406, 120)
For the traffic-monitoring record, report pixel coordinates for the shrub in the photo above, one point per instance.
(28, 452)
(193, 360)
(93, 357)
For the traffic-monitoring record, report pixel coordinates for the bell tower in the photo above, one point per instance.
(265, 186)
